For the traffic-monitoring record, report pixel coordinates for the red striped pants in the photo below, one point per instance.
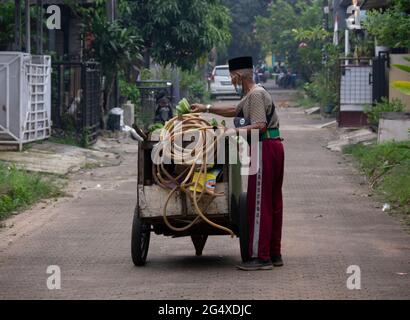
(264, 200)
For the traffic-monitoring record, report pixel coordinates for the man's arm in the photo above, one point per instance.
(224, 111)
(260, 126)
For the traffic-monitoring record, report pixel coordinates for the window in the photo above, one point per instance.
(222, 72)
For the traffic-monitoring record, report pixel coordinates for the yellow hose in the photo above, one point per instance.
(177, 127)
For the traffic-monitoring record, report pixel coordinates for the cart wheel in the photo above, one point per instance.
(243, 227)
(140, 237)
(199, 243)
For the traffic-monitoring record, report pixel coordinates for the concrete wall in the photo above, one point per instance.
(394, 126)
(396, 74)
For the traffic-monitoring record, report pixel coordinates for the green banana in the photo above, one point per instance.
(183, 107)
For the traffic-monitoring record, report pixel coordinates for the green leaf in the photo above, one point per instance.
(402, 67)
(402, 86)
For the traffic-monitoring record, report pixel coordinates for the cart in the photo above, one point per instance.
(228, 210)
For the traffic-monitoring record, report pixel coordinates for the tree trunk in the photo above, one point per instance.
(108, 94)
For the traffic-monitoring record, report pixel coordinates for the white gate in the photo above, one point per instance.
(356, 88)
(25, 98)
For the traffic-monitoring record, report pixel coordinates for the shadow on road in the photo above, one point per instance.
(192, 263)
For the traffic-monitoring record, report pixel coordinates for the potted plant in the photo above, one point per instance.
(362, 49)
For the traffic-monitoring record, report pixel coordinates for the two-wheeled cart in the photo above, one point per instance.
(228, 210)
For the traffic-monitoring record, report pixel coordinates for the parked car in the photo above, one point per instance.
(220, 82)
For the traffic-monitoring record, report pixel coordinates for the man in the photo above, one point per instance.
(264, 196)
(163, 111)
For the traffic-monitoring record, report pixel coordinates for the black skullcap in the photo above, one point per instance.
(160, 95)
(240, 63)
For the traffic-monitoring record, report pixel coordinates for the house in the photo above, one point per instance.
(363, 78)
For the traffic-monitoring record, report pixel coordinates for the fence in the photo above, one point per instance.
(149, 91)
(76, 98)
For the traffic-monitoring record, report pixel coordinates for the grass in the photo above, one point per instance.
(20, 189)
(387, 166)
(71, 139)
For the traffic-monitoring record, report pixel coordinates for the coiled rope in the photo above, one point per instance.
(194, 159)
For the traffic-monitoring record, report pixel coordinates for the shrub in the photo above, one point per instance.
(129, 91)
(390, 27)
(322, 89)
(193, 86)
(373, 112)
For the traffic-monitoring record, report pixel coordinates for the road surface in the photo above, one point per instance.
(329, 224)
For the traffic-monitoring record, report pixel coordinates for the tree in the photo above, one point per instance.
(293, 32)
(178, 32)
(112, 44)
(310, 56)
(242, 27)
(6, 24)
(390, 27)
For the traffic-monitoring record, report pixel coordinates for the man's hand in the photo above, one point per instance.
(197, 107)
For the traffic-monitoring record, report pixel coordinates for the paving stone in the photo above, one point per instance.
(88, 236)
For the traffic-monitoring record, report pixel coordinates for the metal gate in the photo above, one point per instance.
(362, 82)
(380, 76)
(149, 91)
(76, 98)
(25, 84)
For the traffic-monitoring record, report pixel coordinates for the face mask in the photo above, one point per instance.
(239, 89)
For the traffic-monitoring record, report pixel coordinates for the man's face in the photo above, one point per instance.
(235, 78)
(163, 103)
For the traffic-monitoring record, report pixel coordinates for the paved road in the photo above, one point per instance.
(330, 224)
